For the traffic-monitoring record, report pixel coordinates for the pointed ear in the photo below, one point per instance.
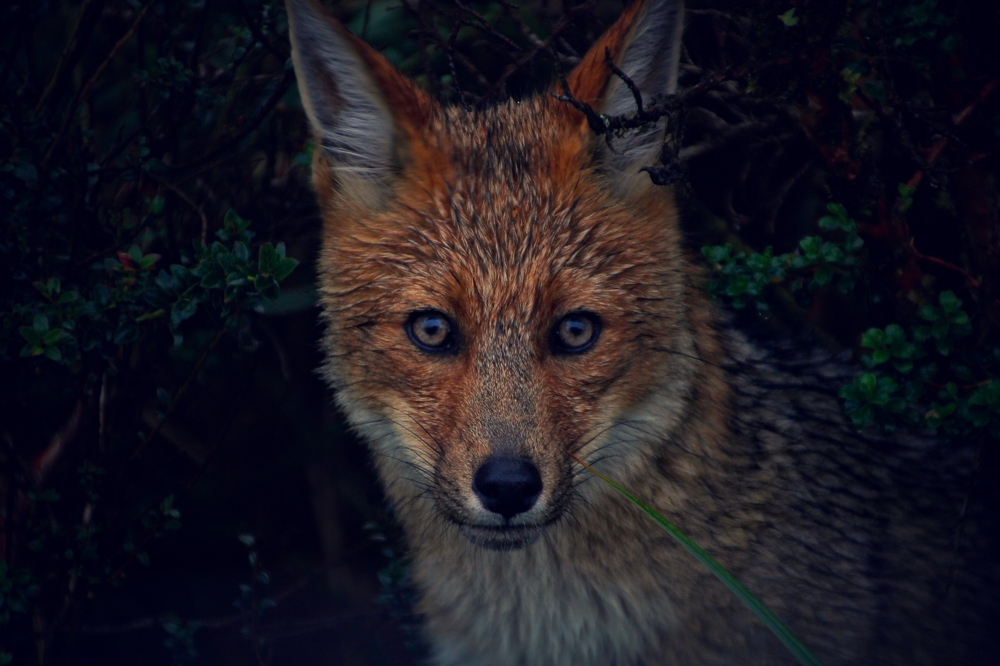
(645, 43)
(364, 113)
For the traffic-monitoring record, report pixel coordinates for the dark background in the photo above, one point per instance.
(127, 123)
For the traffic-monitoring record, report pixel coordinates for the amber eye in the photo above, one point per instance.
(575, 333)
(432, 331)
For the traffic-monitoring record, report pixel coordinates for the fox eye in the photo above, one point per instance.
(431, 331)
(575, 333)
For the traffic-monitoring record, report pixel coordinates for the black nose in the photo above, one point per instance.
(507, 486)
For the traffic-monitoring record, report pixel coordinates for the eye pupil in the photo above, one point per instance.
(576, 328)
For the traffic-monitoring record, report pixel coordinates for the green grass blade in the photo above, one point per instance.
(778, 627)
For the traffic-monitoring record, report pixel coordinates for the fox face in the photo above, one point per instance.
(497, 282)
(503, 321)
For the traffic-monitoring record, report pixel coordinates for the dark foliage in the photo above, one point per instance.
(838, 162)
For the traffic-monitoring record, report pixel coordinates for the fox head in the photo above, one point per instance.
(500, 286)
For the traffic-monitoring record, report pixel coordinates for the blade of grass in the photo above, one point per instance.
(778, 627)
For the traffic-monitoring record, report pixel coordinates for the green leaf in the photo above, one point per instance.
(127, 332)
(717, 254)
(789, 18)
(873, 338)
(53, 353)
(863, 416)
(905, 196)
(829, 223)
(832, 253)
(868, 382)
(885, 387)
(53, 336)
(285, 267)
(851, 392)
(853, 243)
(784, 634)
(241, 251)
(949, 301)
(894, 334)
(267, 259)
(811, 246)
(135, 253)
(213, 276)
(880, 356)
(896, 405)
(181, 310)
(904, 367)
(823, 276)
(147, 261)
(268, 289)
(68, 297)
(30, 334)
(929, 313)
(41, 323)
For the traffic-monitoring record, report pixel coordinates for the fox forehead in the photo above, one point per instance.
(502, 214)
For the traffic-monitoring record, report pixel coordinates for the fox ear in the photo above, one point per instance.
(364, 113)
(645, 43)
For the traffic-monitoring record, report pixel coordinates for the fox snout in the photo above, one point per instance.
(498, 474)
(507, 486)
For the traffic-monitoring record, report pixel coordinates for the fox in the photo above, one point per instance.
(501, 290)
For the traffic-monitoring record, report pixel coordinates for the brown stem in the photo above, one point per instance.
(43, 463)
(973, 282)
(528, 57)
(93, 79)
(181, 391)
(71, 52)
(956, 120)
(234, 142)
(186, 199)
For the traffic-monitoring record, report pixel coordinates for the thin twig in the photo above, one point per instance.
(485, 26)
(43, 463)
(451, 61)
(93, 79)
(528, 57)
(265, 109)
(183, 197)
(181, 391)
(71, 48)
(973, 282)
(956, 120)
